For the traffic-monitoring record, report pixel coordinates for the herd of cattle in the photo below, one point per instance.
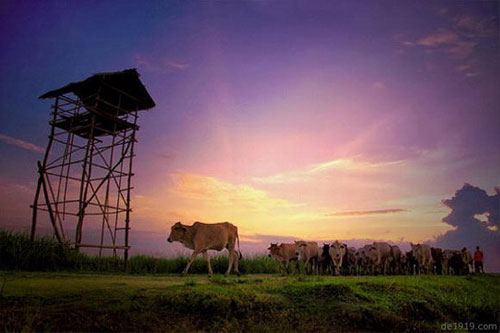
(336, 258)
(377, 258)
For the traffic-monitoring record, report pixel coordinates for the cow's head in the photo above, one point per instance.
(326, 250)
(299, 247)
(177, 233)
(337, 252)
(274, 251)
(362, 253)
(357, 254)
(465, 255)
(273, 245)
(414, 249)
(372, 253)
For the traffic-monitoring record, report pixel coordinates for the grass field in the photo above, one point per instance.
(112, 302)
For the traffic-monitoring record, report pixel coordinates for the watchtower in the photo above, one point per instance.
(85, 177)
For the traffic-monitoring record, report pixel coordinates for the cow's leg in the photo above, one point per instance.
(193, 256)
(231, 259)
(306, 263)
(207, 258)
(287, 266)
(235, 261)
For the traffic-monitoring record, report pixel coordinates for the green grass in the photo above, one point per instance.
(48, 287)
(36, 301)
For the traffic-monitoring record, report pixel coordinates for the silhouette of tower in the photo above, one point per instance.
(85, 176)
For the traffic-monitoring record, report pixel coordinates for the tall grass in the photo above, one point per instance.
(17, 252)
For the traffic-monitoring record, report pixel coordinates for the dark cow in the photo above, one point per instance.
(437, 257)
(411, 264)
(325, 260)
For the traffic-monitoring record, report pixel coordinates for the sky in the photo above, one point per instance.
(311, 120)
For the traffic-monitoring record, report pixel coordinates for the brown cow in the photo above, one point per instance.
(337, 253)
(379, 254)
(368, 262)
(361, 261)
(467, 258)
(423, 255)
(284, 254)
(395, 260)
(349, 262)
(447, 260)
(202, 237)
(308, 253)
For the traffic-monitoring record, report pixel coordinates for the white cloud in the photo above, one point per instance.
(438, 38)
(162, 66)
(21, 143)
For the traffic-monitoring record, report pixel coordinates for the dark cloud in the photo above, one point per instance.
(368, 212)
(469, 202)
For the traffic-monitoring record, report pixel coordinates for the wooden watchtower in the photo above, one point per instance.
(85, 176)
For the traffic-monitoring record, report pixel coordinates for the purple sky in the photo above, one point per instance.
(354, 117)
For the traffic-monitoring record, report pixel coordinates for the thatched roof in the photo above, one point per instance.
(110, 86)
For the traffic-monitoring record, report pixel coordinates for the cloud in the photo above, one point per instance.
(463, 67)
(477, 27)
(456, 46)
(162, 66)
(368, 212)
(462, 49)
(190, 197)
(460, 41)
(438, 38)
(21, 144)
(352, 164)
(466, 205)
(470, 201)
(221, 193)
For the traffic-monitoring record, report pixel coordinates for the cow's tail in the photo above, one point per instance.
(238, 239)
